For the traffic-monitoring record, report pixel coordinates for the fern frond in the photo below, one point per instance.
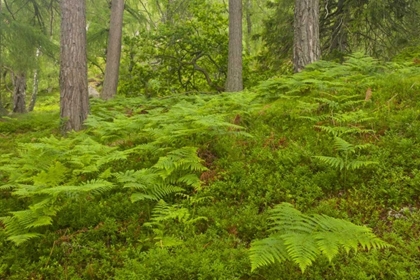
(341, 130)
(162, 190)
(40, 221)
(354, 117)
(357, 164)
(190, 180)
(164, 212)
(98, 186)
(22, 238)
(301, 247)
(267, 251)
(285, 218)
(335, 162)
(302, 238)
(17, 225)
(7, 187)
(342, 145)
(142, 196)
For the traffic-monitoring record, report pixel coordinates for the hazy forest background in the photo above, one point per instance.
(209, 139)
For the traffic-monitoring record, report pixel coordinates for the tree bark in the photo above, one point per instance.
(34, 85)
(2, 110)
(113, 55)
(74, 100)
(248, 9)
(19, 93)
(339, 34)
(306, 47)
(234, 75)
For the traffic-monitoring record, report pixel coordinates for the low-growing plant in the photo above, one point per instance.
(302, 238)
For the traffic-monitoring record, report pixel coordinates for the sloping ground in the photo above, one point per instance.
(177, 188)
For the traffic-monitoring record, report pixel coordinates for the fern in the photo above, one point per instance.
(302, 238)
(164, 213)
(171, 174)
(162, 137)
(343, 160)
(47, 175)
(342, 130)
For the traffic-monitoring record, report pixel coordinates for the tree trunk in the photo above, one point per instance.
(34, 91)
(74, 100)
(248, 10)
(339, 34)
(35, 85)
(234, 75)
(19, 93)
(114, 50)
(306, 47)
(2, 110)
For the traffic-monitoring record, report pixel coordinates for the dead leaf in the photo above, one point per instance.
(368, 95)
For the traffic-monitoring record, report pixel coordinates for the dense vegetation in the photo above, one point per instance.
(180, 186)
(312, 175)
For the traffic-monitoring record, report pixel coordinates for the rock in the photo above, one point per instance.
(93, 93)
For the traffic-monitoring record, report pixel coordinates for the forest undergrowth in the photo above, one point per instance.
(181, 187)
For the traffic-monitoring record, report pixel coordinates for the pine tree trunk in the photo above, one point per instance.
(19, 93)
(114, 50)
(234, 75)
(306, 48)
(74, 100)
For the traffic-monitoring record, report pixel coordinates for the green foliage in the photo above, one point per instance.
(378, 28)
(21, 38)
(204, 184)
(184, 54)
(202, 257)
(302, 238)
(54, 172)
(343, 160)
(51, 174)
(164, 178)
(164, 213)
(338, 83)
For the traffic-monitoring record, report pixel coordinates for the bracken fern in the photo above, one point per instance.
(302, 238)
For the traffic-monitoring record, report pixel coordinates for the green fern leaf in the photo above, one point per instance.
(357, 164)
(142, 196)
(301, 247)
(267, 251)
(302, 238)
(22, 238)
(190, 180)
(342, 145)
(40, 221)
(335, 162)
(55, 174)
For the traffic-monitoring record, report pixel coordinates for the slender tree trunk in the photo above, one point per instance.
(2, 110)
(19, 93)
(306, 48)
(114, 50)
(339, 34)
(234, 75)
(74, 100)
(34, 86)
(248, 11)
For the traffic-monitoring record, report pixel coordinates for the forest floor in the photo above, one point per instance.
(178, 187)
